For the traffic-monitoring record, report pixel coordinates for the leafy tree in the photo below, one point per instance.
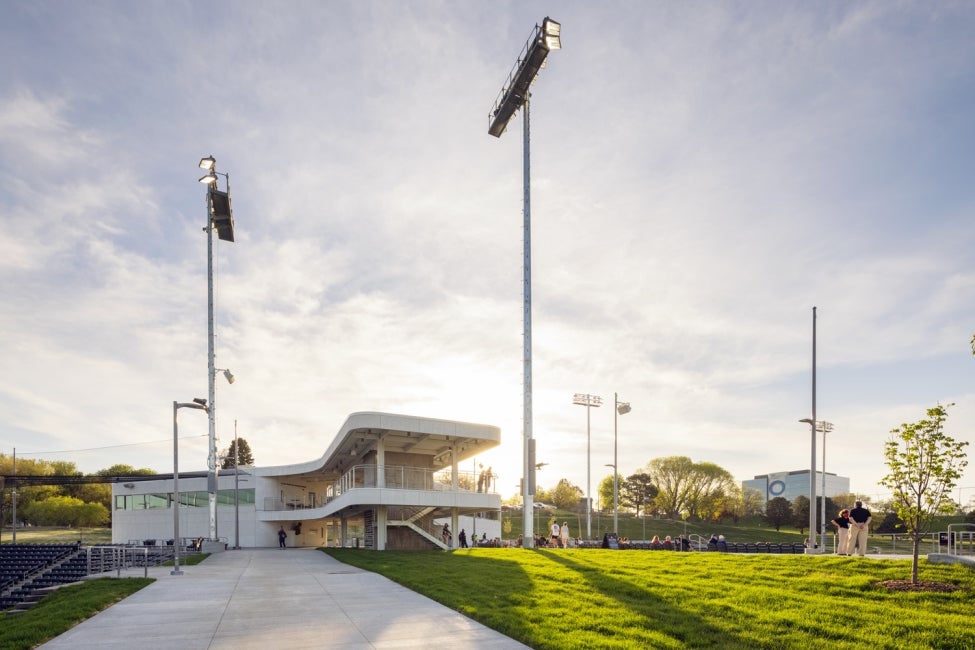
(605, 491)
(565, 495)
(245, 457)
(122, 469)
(673, 476)
(924, 464)
(891, 524)
(636, 490)
(778, 511)
(800, 512)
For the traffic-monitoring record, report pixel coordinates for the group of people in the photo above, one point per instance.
(852, 528)
(559, 534)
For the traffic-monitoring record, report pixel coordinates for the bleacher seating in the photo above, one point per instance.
(26, 568)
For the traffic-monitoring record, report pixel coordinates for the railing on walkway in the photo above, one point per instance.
(961, 542)
(115, 558)
(394, 477)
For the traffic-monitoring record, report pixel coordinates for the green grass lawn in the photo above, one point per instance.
(63, 609)
(46, 535)
(644, 599)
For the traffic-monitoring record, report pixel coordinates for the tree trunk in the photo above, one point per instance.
(917, 544)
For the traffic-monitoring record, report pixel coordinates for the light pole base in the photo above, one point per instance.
(175, 572)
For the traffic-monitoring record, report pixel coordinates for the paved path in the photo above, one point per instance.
(271, 598)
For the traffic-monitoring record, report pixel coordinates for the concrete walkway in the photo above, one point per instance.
(272, 598)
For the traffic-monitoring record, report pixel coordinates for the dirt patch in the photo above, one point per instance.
(922, 585)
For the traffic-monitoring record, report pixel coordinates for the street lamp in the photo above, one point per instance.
(622, 408)
(197, 403)
(589, 401)
(219, 217)
(812, 454)
(513, 96)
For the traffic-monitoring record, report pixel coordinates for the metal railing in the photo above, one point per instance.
(394, 477)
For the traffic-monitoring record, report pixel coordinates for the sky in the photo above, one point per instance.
(703, 174)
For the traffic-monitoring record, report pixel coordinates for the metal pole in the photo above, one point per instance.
(211, 377)
(616, 412)
(812, 461)
(236, 489)
(529, 493)
(13, 504)
(588, 481)
(822, 496)
(177, 544)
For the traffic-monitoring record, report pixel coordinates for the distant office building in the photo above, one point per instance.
(792, 484)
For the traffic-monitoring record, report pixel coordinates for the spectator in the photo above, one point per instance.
(842, 524)
(859, 530)
(722, 544)
(556, 534)
(445, 534)
(462, 538)
(655, 542)
(282, 536)
(713, 543)
(564, 534)
(668, 543)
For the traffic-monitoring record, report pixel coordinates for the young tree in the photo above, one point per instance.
(778, 511)
(924, 463)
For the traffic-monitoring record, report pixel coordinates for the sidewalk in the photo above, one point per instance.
(272, 598)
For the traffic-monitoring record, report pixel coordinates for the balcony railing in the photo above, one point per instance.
(394, 477)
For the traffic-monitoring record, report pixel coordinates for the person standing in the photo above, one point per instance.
(282, 536)
(462, 538)
(842, 524)
(859, 529)
(564, 534)
(445, 534)
(556, 534)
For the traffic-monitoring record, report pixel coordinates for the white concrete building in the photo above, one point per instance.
(792, 484)
(379, 485)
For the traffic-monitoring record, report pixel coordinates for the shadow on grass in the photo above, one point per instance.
(658, 614)
(492, 591)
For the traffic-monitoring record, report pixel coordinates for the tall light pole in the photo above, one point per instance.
(812, 463)
(824, 427)
(513, 96)
(589, 401)
(622, 408)
(177, 544)
(219, 216)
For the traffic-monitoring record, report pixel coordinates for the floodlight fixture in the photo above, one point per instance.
(227, 374)
(200, 401)
(623, 408)
(208, 163)
(514, 95)
(209, 179)
(552, 33)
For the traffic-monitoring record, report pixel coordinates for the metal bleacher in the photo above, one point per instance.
(25, 569)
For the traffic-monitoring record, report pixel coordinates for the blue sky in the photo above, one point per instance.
(703, 174)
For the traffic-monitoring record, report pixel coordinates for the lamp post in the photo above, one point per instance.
(177, 544)
(622, 408)
(589, 401)
(812, 455)
(219, 216)
(513, 96)
(824, 427)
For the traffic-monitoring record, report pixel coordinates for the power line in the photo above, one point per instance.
(131, 444)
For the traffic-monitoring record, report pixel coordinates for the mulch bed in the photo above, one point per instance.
(922, 585)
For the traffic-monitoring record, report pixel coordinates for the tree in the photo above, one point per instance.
(244, 455)
(924, 464)
(636, 490)
(565, 495)
(891, 524)
(778, 511)
(605, 490)
(800, 513)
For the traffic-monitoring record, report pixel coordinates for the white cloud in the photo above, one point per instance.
(701, 177)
